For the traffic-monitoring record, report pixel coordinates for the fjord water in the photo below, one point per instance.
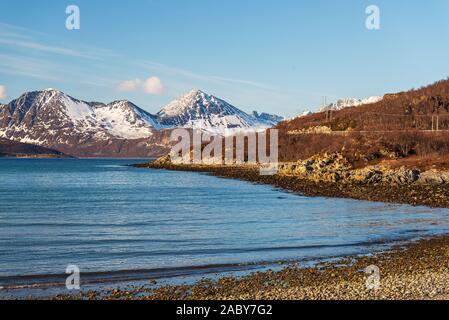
(106, 217)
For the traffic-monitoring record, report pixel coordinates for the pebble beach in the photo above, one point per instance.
(419, 270)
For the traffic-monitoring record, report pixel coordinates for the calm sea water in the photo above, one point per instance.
(111, 219)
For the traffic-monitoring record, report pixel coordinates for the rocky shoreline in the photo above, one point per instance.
(416, 271)
(332, 176)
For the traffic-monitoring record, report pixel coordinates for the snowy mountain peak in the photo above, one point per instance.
(54, 119)
(54, 114)
(267, 118)
(197, 109)
(125, 110)
(195, 100)
(123, 104)
(350, 102)
(51, 90)
(195, 92)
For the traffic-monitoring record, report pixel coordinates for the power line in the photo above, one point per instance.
(396, 114)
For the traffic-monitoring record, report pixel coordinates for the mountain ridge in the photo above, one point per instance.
(53, 119)
(199, 110)
(341, 104)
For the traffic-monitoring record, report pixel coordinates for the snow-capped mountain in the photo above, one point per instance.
(266, 118)
(306, 113)
(350, 102)
(124, 119)
(54, 111)
(53, 119)
(200, 110)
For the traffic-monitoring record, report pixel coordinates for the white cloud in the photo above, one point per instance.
(129, 85)
(152, 85)
(3, 94)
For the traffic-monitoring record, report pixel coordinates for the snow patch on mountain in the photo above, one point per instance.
(266, 118)
(199, 110)
(121, 119)
(75, 110)
(125, 120)
(54, 119)
(350, 102)
(50, 114)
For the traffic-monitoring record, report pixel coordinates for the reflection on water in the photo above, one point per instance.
(104, 216)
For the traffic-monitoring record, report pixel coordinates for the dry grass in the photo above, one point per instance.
(398, 127)
(423, 148)
(426, 162)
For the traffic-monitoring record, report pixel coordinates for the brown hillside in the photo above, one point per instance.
(398, 127)
(411, 110)
(9, 148)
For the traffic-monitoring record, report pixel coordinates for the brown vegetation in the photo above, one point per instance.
(412, 110)
(396, 128)
(408, 124)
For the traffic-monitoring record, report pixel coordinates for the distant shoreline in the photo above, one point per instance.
(70, 157)
(411, 269)
(436, 196)
(417, 270)
(36, 156)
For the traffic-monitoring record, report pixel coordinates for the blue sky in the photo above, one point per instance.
(275, 56)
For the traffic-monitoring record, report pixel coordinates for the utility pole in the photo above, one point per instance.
(328, 111)
(325, 107)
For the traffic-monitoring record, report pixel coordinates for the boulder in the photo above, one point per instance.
(434, 177)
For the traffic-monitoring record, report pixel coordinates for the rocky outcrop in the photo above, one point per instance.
(329, 168)
(312, 130)
(434, 177)
(382, 174)
(336, 168)
(164, 160)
